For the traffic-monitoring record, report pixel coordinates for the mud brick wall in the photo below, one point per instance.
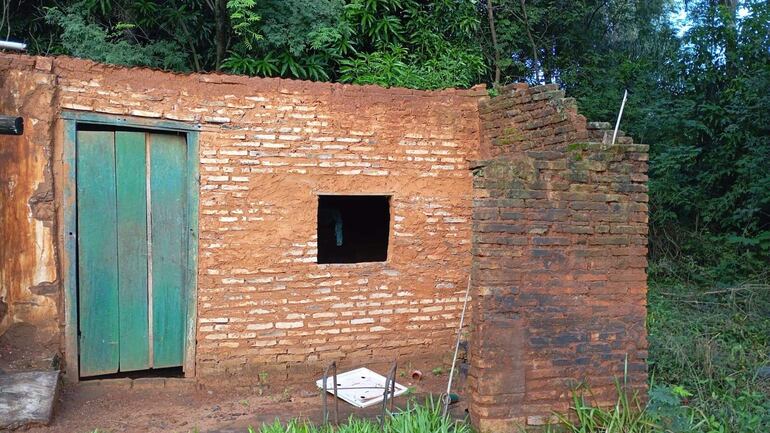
(559, 267)
(28, 293)
(268, 147)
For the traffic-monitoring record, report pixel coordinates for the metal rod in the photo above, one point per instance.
(457, 348)
(393, 386)
(325, 391)
(390, 388)
(336, 398)
(384, 403)
(333, 368)
(620, 114)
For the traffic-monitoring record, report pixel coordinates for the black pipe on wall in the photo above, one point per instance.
(11, 125)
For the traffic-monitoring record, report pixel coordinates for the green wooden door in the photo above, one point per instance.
(132, 225)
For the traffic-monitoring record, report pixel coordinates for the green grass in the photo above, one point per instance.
(628, 415)
(705, 348)
(416, 418)
(706, 345)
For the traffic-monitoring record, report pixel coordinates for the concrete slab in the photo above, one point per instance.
(27, 398)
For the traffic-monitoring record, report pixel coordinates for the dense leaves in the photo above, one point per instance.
(698, 73)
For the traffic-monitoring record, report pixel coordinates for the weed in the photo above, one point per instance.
(415, 418)
(705, 348)
(627, 415)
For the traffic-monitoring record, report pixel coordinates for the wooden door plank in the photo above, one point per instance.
(191, 279)
(97, 253)
(169, 256)
(130, 158)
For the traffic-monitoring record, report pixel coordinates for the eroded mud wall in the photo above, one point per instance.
(28, 283)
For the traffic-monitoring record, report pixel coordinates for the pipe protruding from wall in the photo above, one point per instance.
(10, 45)
(11, 125)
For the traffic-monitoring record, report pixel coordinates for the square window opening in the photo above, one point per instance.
(353, 229)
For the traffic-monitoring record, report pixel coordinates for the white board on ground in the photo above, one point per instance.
(360, 387)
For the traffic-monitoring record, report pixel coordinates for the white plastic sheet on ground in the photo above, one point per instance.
(360, 387)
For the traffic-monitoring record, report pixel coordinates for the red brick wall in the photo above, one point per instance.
(551, 222)
(559, 268)
(267, 148)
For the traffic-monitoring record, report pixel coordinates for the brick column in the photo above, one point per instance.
(559, 259)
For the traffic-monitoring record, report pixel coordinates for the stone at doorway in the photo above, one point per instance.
(27, 398)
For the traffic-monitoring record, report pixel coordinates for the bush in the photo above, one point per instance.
(81, 38)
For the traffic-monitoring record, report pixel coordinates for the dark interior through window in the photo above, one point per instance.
(353, 229)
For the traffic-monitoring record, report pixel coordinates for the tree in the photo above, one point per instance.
(700, 97)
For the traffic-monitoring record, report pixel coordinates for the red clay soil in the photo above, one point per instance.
(21, 349)
(150, 406)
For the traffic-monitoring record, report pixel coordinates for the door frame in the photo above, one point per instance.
(69, 269)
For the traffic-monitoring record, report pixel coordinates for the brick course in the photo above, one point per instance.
(559, 259)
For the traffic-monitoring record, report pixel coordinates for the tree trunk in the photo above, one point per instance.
(535, 61)
(496, 49)
(731, 36)
(220, 15)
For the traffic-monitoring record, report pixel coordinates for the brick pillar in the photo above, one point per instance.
(559, 259)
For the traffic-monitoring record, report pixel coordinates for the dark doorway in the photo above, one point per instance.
(353, 229)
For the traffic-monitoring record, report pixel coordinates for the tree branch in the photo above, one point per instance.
(491, 19)
(531, 41)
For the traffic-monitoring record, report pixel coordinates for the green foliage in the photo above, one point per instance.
(706, 348)
(394, 66)
(412, 44)
(292, 38)
(291, 25)
(415, 418)
(83, 39)
(628, 415)
(387, 42)
(437, 371)
(245, 20)
(423, 418)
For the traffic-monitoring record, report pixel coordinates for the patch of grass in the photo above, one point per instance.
(706, 345)
(627, 415)
(416, 418)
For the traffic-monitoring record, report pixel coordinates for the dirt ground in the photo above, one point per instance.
(175, 405)
(20, 349)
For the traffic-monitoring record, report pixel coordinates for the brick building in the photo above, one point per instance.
(234, 227)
